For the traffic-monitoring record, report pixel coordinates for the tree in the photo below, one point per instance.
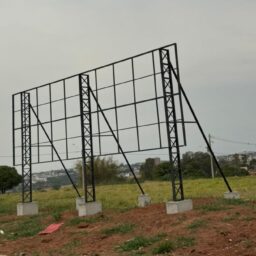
(252, 164)
(147, 169)
(162, 171)
(105, 170)
(232, 168)
(196, 164)
(9, 178)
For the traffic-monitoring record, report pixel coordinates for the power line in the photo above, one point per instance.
(233, 141)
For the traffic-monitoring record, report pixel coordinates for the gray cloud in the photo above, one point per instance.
(43, 41)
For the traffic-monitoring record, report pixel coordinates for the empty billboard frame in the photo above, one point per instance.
(131, 105)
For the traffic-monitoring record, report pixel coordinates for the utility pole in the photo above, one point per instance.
(212, 168)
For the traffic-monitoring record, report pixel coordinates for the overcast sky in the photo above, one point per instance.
(45, 40)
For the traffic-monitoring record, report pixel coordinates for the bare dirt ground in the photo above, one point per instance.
(212, 228)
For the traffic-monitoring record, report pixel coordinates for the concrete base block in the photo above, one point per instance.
(144, 200)
(232, 195)
(173, 207)
(79, 200)
(91, 208)
(27, 209)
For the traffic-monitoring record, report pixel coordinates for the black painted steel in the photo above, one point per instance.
(26, 148)
(87, 142)
(171, 126)
(53, 110)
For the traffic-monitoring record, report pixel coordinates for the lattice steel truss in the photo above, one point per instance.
(26, 148)
(87, 143)
(171, 124)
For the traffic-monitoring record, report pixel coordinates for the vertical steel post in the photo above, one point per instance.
(171, 125)
(87, 142)
(26, 148)
(13, 131)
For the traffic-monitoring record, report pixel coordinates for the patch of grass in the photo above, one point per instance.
(222, 204)
(248, 243)
(23, 228)
(197, 224)
(248, 218)
(122, 196)
(180, 219)
(158, 237)
(135, 244)
(169, 246)
(137, 253)
(68, 249)
(216, 206)
(182, 242)
(234, 202)
(72, 244)
(56, 216)
(231, 217)
(163, 248)
(140, 242)
(78, 220)
(119, 229)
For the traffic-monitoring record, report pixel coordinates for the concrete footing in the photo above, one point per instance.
(144, 200)
(24, 209)
(86, 209)
(173, 207)
(79, 200)
(232, 195)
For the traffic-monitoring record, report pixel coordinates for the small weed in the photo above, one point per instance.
(135, 244)
(140, 242)
(120, 229)
(79, 220)
(138, 253)
(74, 243)
(212, 207)
(56, 216)
(163, 248)
(158, 237)
(197, 224)
(231, 217)
(25, 228)
(248, 243)
(180, 219)
(248, 218)
(183, 241)
(168, 246)
(234, 202)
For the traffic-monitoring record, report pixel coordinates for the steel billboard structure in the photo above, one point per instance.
(131, 105)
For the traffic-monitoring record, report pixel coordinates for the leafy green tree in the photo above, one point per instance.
(147, 169)
(9, 178)
(105, 170)
(252, 164)
(196, 164)
(162, 171)
(231, 170)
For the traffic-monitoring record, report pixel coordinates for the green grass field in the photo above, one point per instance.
(132, 239)
(124, 196)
